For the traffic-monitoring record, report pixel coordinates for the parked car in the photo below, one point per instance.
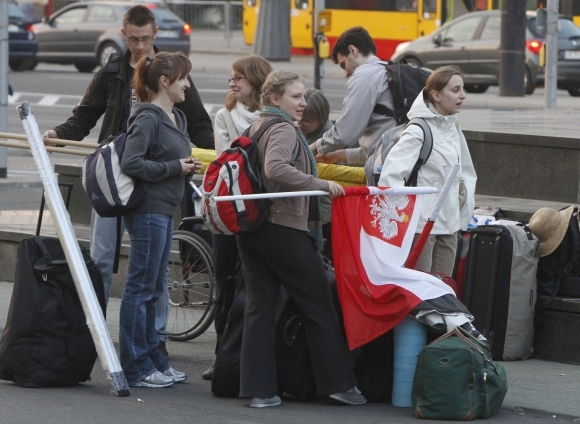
(21, 40)
(87, 33)
(472, 42)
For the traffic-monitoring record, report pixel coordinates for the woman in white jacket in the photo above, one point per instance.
(242, 109)
(438, 104)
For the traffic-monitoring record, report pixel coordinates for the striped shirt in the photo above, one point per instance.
(366, 87)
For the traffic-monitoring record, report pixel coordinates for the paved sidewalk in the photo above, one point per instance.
(534, 386)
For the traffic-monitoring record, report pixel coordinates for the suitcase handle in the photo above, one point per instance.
(292, 329)
(69, 187)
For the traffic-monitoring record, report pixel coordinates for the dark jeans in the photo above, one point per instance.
(151, 236)
(225, 256)
(273, 256)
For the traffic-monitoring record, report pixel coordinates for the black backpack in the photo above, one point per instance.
(559, 272)
(405, 82)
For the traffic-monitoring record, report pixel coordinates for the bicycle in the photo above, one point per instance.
(191, 284)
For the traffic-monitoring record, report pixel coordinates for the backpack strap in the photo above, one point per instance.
(263, 128)
(380, 109)
(260, 131)
(150, 154)
(425, 152)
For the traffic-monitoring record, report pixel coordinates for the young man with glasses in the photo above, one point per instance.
(110, 94)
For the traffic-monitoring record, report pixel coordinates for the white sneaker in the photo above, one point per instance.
(178, 376)
(156, 380)
(264, 403)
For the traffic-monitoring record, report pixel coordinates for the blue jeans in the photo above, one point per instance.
(150, 236)
(103, 243)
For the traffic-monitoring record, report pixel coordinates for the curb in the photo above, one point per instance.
(20, 184)
(525, 410)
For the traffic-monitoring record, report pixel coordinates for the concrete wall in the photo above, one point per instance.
(526, 167)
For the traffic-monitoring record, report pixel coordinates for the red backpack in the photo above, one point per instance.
(238, 171)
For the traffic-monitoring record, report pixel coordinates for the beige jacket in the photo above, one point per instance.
(275, 148)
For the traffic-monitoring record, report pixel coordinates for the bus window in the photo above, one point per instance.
(430, 6)
(407, 5)
(301, 4)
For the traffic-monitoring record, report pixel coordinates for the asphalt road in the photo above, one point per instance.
(193, 402)
(53, 91)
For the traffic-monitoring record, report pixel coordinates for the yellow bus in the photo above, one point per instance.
(389, 22)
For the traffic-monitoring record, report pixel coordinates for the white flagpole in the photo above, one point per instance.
(94, 314)
(372, 191)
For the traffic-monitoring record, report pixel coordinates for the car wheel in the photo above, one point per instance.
(85, 67)
(413, 61)
(529, 87)
(574, 90)
(105, 51)
(476, 88)
(31, 64)
(17, 65)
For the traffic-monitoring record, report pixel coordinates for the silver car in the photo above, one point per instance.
(472, 43)
(87, 33)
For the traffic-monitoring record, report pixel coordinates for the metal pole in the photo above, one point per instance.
(228, 19)
(3, 83)
(318, 62)
(512, 54)
(551, 81)
(94, 314)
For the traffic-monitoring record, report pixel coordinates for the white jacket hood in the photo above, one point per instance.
(449, 148)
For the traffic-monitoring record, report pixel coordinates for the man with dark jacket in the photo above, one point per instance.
(111, 94)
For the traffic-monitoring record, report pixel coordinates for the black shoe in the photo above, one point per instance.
(163, 349)
(208, 373)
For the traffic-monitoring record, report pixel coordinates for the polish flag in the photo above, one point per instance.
(371, 239)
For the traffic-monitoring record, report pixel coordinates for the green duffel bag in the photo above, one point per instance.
(455, 379)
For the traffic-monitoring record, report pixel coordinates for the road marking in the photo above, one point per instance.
(63, 101)
(48, 100)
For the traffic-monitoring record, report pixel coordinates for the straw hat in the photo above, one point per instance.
(550, 226)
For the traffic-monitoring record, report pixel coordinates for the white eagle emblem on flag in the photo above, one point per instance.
(385, 214)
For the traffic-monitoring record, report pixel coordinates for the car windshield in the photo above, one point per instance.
(566, 29)
(15, 12)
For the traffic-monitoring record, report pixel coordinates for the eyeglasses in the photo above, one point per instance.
(136, 41)
(235, 79)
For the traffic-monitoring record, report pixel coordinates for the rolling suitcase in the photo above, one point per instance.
(46, 341)
(458, 274)
(500, 287)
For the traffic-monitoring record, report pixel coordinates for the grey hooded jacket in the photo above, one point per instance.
(166, 184)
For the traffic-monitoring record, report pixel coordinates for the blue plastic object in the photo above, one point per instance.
(410, 337)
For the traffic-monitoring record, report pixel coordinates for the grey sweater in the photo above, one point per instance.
(166, 184)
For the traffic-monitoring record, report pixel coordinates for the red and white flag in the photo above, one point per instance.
(371, 239)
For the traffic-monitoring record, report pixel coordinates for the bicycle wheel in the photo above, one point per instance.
(191, 287)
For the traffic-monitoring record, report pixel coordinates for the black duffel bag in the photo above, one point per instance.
(46, 341)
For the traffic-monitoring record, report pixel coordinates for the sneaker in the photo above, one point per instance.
(178, 376)
(264, 403)
(350, 397)
(208, 373)
(155, 380)
(163, 349)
